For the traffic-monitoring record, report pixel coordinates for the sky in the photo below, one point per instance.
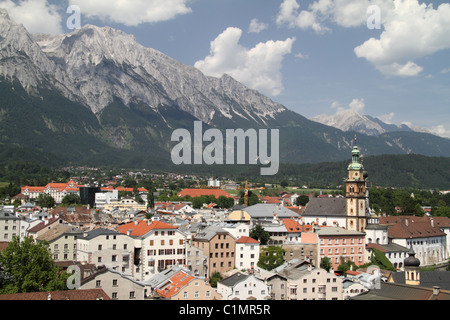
(384, 58)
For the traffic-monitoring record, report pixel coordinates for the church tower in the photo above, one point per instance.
(356, 193)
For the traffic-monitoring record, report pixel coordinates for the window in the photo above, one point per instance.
(98, 283)
(132, 295)
(115, 283)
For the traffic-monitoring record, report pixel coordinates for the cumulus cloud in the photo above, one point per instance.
(37, 16)
(441, 130)
(357, 105)
(256, 26)
(289, 14)
(387, 118)
(411, 31)
(259, 68)
(132, 12)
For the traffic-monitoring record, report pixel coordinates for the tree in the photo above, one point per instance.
(46, 201)
(197, 203)
(225, 202)
(29, 267)
(215, 277)
(271, 257)
(71, 199)
(346, 265)
(302, 200)
(258, 233)
(379, 259)
(284, 184)
(325, 264)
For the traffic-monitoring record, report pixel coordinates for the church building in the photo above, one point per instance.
(349, 212)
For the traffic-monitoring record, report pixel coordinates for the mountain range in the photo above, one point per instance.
(352, 120)
(97, 97)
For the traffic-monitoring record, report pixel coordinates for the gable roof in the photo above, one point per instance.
(247, 240)
(99, 232)
(140, 228)
(177, 282)
(43, 224)
(411, 228)
(326, 207)
(231, 281)
(266, 210)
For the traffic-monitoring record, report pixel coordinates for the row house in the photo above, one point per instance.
(336, 243)
(62, 241)
(247, 253)
(9, 226)
(109, 248)
(196, 261)
(158, 246)
(241, 286)
(299, 280)
(116, 285)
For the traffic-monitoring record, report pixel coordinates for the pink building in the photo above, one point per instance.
(335, 242)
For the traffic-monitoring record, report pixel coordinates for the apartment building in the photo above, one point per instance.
(336, 242)
(116, 285)
(103, 247)
(158, 246)
(9, 226)
(219, 246)
(62, 241)
(247, 253)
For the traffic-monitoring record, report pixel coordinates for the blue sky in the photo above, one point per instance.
(312, 56)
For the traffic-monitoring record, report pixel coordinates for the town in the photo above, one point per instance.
(226, 240)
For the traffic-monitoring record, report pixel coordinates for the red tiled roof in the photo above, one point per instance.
(143, 227)
(203, 192)
(247, 240)
(293, 226)
(411, 228)
(178, 281)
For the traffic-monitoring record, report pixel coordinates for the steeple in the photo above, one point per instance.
(356, 192)
(412, 271)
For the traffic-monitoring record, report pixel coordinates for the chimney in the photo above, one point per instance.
(407, 222)
(136, 222)
(432, 222)
(436, 290)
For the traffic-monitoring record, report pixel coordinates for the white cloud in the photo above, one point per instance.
(445, 71)
(411, 31)
(387, 118)
(256, 26)
(132, 12)
(441, 130)
(357, 105)
(259, 68)
(37, 16)
(289, 14)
